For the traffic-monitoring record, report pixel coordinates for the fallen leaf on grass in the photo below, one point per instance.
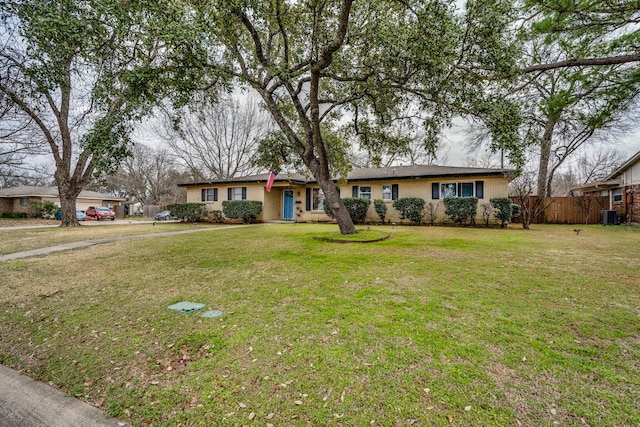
(271, 415)
(298, 402)
(450, 418)
(252, 415)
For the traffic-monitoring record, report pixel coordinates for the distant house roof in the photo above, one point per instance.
(611, 181)
(632, 161)
(370, 174)
(30, 191)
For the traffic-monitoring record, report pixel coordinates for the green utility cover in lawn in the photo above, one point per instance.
(186, 306)
(211, 314)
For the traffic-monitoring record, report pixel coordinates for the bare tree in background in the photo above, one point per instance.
(409, 149)
(588, 167)
(487, 160)
(149, 176)
(19, 142)
(592, 167)
(599, 164)
(523, 188)
(218, 140)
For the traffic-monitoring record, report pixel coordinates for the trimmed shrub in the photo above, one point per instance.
(39, 209)
(461, 209)
(247, 210)
(410, 208)
(516, 210)
(188, 211)
(381, 208)
(504, 210)
(14, 215)
(356, 206)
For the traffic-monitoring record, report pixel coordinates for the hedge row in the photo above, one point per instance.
(459, 209)
(14, 215)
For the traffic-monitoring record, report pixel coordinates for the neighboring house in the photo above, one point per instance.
(623, 189)
(295, 197)
(18, 199)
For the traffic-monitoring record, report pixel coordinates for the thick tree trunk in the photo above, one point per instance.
(332, 197)
(340, 213)
(68, 194)
(545, 156)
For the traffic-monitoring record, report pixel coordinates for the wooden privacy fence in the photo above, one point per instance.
(568, 210)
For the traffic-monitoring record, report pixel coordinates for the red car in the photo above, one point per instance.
(100, 212)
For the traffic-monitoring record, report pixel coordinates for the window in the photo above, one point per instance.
(466, 189)
(209, 195)
(390, 192)
(386, 192)
(24, 201)
(617, 195)
(237, 193)
(448, 190)
(364, 192)
(317, 199)
(457, 189)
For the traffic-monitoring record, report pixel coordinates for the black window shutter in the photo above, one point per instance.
(354, 191)
(459, 193)
(480, 189)
(244, 193)
(435, 190)
(229, 193)
(215, 194)
(308, 199)
(203, 193)
(394, 191)
(338, 188)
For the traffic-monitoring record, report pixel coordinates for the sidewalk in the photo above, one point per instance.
(28, 403)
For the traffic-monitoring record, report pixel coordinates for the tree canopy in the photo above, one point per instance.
(82, 73)
(318, 65)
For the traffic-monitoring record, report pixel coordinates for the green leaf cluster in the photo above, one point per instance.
(356, 206)
(410, 208)
(461, 209)
(188, 211)
(37, 208)
(503, 209)
(247, 210)
(381, 209)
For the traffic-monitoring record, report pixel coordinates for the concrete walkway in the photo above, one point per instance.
(25, 402)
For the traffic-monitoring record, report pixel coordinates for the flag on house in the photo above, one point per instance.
(272, 178)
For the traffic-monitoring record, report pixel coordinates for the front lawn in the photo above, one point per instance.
(434, 326)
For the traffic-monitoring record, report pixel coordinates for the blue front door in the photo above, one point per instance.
(287, 211)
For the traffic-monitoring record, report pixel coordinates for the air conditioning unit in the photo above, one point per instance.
(609, 217)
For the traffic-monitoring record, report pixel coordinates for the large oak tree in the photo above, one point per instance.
(83, 72)
(317, 63)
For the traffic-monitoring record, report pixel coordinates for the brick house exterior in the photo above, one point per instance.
(623, 189)
(18, 199)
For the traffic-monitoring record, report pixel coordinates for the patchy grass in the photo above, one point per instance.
(17, 240)
(432, 327)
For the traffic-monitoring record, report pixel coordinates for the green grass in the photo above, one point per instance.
(17, 240)
(477, 326)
